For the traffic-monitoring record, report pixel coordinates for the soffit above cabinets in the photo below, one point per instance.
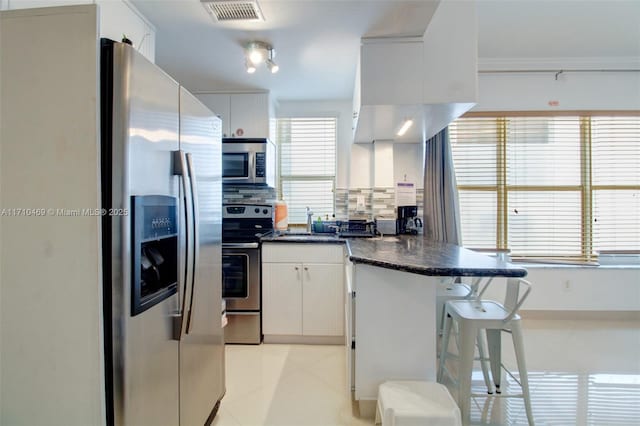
(381, 122)
(431, 80)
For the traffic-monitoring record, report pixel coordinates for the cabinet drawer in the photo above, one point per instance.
(302, 253)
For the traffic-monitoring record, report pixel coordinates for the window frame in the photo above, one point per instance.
(586, 187)
(308, 178)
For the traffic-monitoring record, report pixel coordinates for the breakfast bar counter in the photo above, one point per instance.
(391, 306)
(390, 301)
(419, 256)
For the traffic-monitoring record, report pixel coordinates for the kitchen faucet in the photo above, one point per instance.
(309, 214)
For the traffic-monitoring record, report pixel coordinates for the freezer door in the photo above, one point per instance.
(144, 360)
(202, 343)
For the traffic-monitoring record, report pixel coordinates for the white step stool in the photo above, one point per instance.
(416, 403)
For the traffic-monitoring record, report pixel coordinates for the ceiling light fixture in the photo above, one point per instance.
(250, 67)
(273, 67)
(405, 126)
(257, 52)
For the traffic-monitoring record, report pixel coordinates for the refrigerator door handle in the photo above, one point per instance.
(180, 169)
(196, 237)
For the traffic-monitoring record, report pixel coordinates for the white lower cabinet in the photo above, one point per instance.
(281, 298)
(303, 297)
(322, 299)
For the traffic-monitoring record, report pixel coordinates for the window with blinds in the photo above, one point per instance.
(615, 171)
(307, 165)
(561, 187)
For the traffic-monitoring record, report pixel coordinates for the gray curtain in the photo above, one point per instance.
(441, 206)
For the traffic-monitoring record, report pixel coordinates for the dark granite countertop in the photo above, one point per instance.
(412, 254)
(419, 256)
(304, 238)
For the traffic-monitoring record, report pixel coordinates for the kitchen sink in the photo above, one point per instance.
(307, 234)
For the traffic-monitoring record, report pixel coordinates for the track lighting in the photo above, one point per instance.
(273, 67)
(257, 52)
(250, 67)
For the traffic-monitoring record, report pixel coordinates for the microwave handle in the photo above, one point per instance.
(252, 166)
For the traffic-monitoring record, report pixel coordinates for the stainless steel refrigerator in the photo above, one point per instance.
(161, 190)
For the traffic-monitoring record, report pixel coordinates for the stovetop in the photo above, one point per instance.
(246, 223)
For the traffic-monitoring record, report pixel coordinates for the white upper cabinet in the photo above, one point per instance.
(431, 80)
(245, 115)
(117, 18)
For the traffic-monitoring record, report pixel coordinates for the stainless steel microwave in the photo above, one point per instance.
(249, 161)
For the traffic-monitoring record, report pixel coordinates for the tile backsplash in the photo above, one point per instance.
(248, 194)
(377, 202)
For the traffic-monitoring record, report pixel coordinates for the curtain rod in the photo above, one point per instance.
(556, 71)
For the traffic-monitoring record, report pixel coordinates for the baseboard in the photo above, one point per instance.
(367, 408)
(581, 315)
(305, 340)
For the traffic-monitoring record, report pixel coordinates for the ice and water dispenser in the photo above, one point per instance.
(154, 251)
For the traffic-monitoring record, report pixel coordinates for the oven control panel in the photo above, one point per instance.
(247, 211)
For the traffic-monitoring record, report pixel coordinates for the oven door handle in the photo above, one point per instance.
(240, 245)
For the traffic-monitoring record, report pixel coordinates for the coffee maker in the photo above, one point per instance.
(407, 220)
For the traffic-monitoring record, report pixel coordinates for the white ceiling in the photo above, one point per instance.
(317, 41)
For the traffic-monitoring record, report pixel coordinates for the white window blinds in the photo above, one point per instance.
(615, 144)
(474, 142)
(307, 165)
(550, 186)
(543, 186)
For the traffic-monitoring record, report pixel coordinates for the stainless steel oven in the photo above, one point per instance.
(242, 227)
(241, 275)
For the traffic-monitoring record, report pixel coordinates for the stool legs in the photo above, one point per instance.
(468, 335)
(482, 350)
(518, 347)
(494, 339)
(444, 345)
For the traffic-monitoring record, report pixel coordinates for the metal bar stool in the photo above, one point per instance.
(473, 316)
(451, 290)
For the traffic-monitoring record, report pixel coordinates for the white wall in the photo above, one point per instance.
(572, 91)
(574, 288)
(52, 369)
(408, 161)
(117, 18)
(361, 166)
(402, 159)
(335, 108)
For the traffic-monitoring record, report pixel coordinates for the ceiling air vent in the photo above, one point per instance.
(233, 10)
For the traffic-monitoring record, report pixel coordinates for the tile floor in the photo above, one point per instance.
(580, 373)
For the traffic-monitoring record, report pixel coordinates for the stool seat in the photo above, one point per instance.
(413, 403)
(451, 291)
(481, 310)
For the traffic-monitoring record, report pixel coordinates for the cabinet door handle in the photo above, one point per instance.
(306, 269)
(297, 268)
